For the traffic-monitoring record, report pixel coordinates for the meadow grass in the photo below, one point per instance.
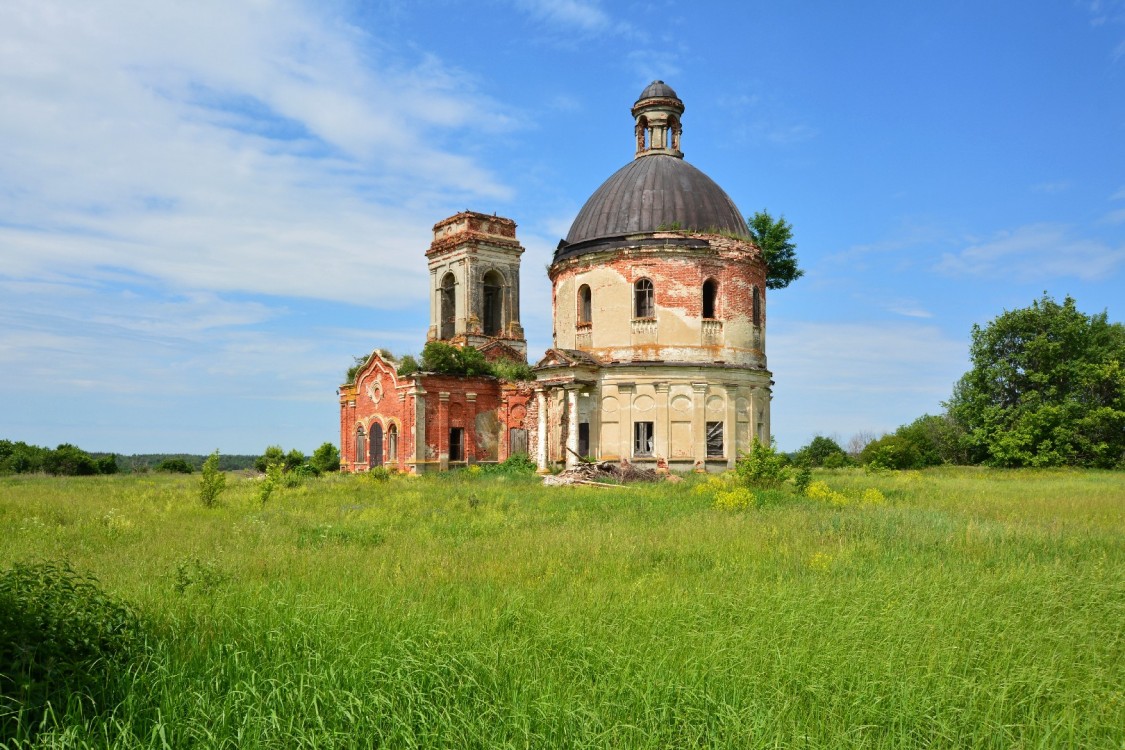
(972, 608)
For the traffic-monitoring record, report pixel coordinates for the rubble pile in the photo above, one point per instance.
(602, 473)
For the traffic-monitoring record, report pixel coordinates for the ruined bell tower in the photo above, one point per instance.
(474, 263)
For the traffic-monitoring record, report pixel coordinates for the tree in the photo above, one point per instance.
(212, 481)
(822, 451)
(1047, 388)
(775, 239)
(274, 454)
(326, 458)
(175, 466)
(69, 460)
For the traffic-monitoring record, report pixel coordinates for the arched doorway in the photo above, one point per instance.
(376, 444)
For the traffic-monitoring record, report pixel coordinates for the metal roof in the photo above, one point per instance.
(658, 89)
(654, 192)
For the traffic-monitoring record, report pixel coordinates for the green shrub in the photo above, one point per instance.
(408, 365)
(62, 639)
(379, 473)
(516, 464)
(507, 369)
(762, 466)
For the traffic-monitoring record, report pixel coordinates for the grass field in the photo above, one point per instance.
(971, 608)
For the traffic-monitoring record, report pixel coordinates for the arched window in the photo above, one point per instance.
(493, 303)
(585, 305)
(392, 445)
(643, 306)
(674, 128)
(448, 307)
(710, 297)
(360, 445)
(757, 311)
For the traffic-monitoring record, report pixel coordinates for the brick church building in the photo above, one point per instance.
(659, 314)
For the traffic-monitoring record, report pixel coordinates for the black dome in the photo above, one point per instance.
(657, 89)
(656, 191)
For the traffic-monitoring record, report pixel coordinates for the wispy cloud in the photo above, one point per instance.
(575, 14)
(908, 308)
(1052, 188)
(1037, 251)
(129, 144)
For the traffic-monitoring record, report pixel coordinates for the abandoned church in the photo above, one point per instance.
(659, 313)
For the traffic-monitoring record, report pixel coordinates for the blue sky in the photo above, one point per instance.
(207, 208)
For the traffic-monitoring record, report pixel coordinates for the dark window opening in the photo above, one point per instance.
(757, 311)
(448, 307)
(584, 439)
(715, 439)
(643, 306)
(493, 304)
(360, 445)
(376, 444)
(585, 305)
(710, 294)
(642, 438)
(456, 444)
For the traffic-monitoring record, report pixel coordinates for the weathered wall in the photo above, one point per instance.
(678, 332)
(426, 406)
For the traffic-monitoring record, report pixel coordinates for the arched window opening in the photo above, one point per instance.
(643, 306)
(392, 444)
(757, 312)
(674, 129)
(448, 307)
(642, 134)
(585, 305)
(710, 297)
(493, 301)
(360, 445)
(376, 444)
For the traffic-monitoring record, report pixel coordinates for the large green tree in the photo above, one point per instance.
(1047, 388)
(775, 238)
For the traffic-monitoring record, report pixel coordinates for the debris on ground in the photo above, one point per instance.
(604, 474)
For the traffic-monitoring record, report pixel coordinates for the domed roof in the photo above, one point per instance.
(658, 89)
(658, 191)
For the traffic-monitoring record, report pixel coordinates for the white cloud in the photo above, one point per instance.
(1033, 252)
(845, 377)
(205, 144)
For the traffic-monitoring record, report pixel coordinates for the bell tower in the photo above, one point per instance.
(474, 263)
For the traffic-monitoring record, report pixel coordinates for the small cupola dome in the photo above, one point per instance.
(657, 112)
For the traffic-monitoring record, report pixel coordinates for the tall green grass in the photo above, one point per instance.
(973, 609)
